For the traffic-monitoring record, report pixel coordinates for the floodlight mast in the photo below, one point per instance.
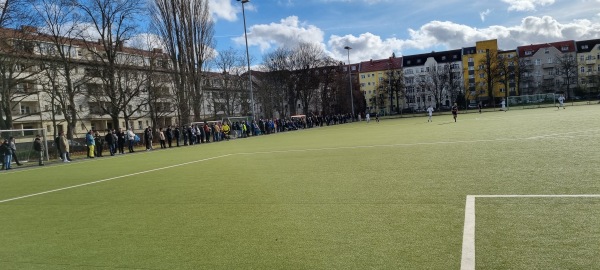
(248, 58)
(350, 82)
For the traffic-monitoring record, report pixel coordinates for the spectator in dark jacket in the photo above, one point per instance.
(39, 149)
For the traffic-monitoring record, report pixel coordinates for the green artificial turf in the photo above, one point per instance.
(388, 195)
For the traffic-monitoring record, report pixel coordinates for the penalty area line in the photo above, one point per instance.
(467, 261)
(112, 178)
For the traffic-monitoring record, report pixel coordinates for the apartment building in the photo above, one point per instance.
(588, 66)
(432, 79)
(378, 80)
(35, 87)
(548, 68)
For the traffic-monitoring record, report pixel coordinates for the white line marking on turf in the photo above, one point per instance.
(306, 150)
(112, 178)
(468, 246)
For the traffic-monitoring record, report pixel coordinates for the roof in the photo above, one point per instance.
(569, 44)
(381, 64)
(585, 46)
(440, 57)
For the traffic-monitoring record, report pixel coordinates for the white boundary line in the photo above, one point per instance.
(467, 261)
(546, 136)
(112, 178)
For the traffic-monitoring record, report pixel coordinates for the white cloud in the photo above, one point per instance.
(450, 35)
(288, 32)
(364, 47)
(224, 10)
(145, 41)
(526, 5)
(484, 14)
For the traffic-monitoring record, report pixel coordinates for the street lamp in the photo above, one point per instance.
(248, 58)
(350, 82)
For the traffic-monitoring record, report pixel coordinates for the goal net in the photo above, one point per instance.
(24, 143)
(533, 101)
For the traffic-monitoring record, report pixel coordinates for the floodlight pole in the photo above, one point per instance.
(350, 82)
(248, 58)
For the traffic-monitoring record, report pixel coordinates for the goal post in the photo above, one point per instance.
(24, 139)
(532, 101)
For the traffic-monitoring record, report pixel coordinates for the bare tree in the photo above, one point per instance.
(506, 69)
(566, 68)
(114, 22)
(277, 90)
(230, 64)
(59, 21)
(305, 60)
(19, 69)
(523, 75)
(187, 31)
(488, 68)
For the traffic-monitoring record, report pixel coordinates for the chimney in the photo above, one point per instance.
(29, 29)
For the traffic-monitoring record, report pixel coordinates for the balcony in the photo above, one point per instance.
(590, 62)
(548, 65)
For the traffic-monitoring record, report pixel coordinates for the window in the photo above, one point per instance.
(471, 59)
(140, 125)
(482, 75)
(582, 69)
(564, 48)
(353, 68)
(25, 109)
(528, 52)
(584, 47)
(550, 60)
(538, 62)
(546, 51)
(443, 57)
(362, 76)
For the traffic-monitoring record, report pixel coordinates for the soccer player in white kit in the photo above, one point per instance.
(561, 101)
(429, 112)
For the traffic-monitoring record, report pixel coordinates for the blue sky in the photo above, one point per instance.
(377, 28)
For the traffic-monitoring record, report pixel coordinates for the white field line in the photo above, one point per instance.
(112, 178)
(468, 246)
(548, 136)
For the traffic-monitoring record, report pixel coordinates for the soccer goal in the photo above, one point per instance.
(533, 101)
(24, 143)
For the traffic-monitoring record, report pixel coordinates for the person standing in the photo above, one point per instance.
(429, 113)
(503, 104)
(13, 150)
(64, 145)
(177, 134)
(121, 141)
(6, 152)
(455, 111)
(39, 149)
(131, 140)
(169, 134)
(109, 140)
(367, 117)
(90, 143)
(161, 137)
(99, 144)
(561, 101)
(57, 144)
(148, 138)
